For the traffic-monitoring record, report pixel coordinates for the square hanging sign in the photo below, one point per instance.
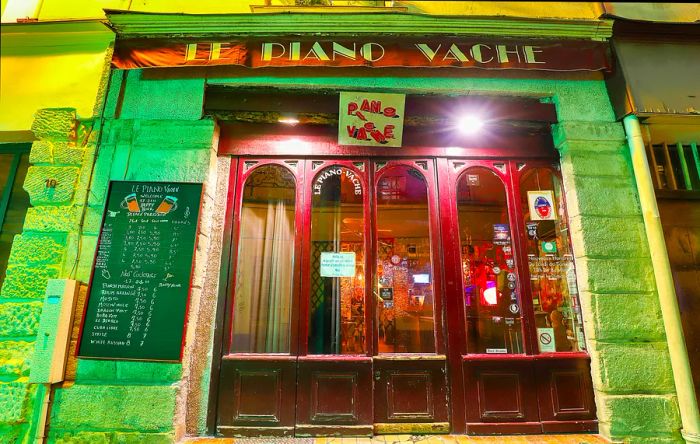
(541, 205)
(371, 119)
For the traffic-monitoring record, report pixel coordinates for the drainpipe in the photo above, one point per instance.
(690, 417)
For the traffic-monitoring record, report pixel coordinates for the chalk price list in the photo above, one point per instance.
(139, 275)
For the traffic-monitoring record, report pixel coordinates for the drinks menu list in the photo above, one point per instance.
(138, 295)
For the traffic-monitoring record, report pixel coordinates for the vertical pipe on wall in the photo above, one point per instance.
(682, 376)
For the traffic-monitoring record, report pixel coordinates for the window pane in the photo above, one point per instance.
(16, 208)
(264, 273)
(489, 277)
(336, 305)
(551, 264)
(404, 289)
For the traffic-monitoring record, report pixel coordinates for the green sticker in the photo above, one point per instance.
(549, 247)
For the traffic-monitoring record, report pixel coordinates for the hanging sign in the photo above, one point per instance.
(545, 339)
(549, 55)
(337, 264)
(541, 205)
(370, 119)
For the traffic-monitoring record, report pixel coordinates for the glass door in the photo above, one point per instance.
(409, 362)
(259, 364)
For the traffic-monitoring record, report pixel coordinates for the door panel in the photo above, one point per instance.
(334, 396)
(334, 387)
(258, 372)
(409, 366)
(254, 394)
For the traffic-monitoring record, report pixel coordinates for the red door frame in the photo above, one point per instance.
(255, 140)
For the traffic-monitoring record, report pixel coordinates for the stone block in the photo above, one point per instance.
(13, 434)
(27, 282)
(148, 372)
(566, 131)
(86, 173)
(634, 368)
(139, 438)
(67, 154)
(134, 408)
(173, 134)
(613, 237)
(93, 220)
(95, 371)
(587, 163)
(80, 437)
(39, 194)
(638, 415)
(42, 151)
(615, 275)
(168, 99)
(19, 319)
(13, 397)
(601, 196)
(624, 317)
(54, 123)
(169, 165)
(37, 249)
(14, 359)
(53, 218)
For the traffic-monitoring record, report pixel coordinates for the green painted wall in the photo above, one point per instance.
(157, 133)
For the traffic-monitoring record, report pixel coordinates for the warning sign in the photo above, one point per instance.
(545, 339)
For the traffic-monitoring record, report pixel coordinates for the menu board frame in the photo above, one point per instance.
(108, 200)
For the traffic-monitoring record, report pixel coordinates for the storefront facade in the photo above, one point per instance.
(488, 283)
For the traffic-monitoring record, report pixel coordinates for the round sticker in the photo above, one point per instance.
(511, 285)
(543, 207)
(545, 338)
(511, 277)
(506, 249)
(510, 263)
(514, 308)
(496, 270)
(396, 259)
(513, 296)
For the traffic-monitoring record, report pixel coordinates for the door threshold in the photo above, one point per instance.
(580, 438)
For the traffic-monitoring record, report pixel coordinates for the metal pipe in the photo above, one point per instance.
(690, 417)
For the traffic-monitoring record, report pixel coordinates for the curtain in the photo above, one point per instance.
(264, 278)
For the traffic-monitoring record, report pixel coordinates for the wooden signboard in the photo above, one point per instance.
(139, 291)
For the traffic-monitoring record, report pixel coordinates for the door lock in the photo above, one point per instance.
(377, 375)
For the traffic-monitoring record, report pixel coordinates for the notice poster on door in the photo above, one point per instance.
(541, 205)
(337, 264)
(545, 339)
(371, 119)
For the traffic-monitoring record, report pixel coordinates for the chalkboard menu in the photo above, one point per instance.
(140, 284)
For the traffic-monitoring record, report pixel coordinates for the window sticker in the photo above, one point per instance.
(541, 205)
(337, 264)
(545, 339)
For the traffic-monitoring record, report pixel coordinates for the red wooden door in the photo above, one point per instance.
(409, 362)
(334, 386)
(258, 374)
(503, 380)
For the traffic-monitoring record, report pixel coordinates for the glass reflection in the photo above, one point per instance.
(336, 302)
(551, 263)
(490, 281)
(404, 289)
(264, 271)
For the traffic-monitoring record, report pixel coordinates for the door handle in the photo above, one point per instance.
(377, 375)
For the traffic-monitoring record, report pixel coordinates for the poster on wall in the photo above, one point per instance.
(371, 119)
(541, 205)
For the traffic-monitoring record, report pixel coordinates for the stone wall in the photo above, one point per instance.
(47, 248)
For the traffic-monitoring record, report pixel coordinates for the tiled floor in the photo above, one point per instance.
(422, 439)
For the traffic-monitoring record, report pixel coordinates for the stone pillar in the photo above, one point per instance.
(632, 374)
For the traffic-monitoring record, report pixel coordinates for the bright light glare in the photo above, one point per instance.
(470, 124)
(288, 120)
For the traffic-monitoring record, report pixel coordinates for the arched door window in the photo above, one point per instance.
(265, 264)
(337, 275)
(489, 279)
(551, 263)
(404, 285)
